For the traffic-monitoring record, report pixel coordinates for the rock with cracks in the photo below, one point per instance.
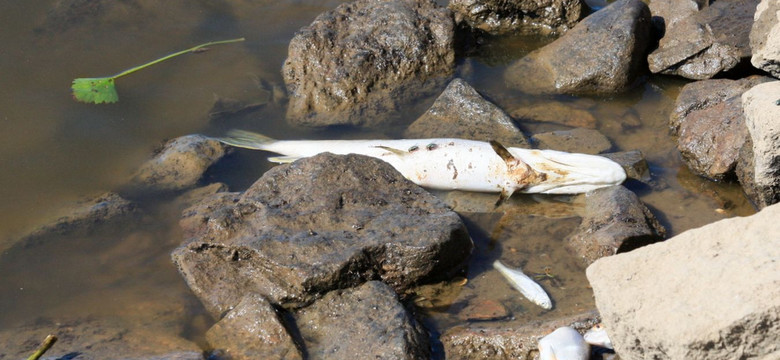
(499, 16)
(709, 293)
(356, 64)
(759, 168)
(461, 112)
(604, 53)
(319, 224)
(765, 37)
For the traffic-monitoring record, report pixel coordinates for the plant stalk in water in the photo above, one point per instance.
(102, 89)
(46, 345)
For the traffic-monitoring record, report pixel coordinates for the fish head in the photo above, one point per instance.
(558, 172)
(597, 335)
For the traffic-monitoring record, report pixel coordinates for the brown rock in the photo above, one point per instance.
(585, 141)
(483, 309)
(495, 16)
(557, 113)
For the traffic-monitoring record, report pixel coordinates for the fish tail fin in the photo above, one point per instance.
(246, 139)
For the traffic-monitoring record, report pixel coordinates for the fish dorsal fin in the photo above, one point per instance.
(392, 150)
(283, 159)
(503, 152)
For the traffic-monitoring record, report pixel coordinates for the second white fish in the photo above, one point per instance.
(529, 288)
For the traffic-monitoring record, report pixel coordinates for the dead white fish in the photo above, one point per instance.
(564, 343)
(597, 335)
(457, 164)
(529, 288)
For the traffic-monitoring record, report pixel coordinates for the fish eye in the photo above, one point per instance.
(431, 146)
(414, 148)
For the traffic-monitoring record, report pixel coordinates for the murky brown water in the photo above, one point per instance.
(54, 150)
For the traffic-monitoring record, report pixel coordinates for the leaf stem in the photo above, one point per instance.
(132, 70)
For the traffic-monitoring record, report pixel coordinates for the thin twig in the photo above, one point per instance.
(46, 345)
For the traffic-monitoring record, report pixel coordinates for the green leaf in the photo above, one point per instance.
(95, 90)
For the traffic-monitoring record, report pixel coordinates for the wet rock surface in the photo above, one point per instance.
(499, 17)
(321, 223)
(711, 127)
(251, 329)
(722, 279)
(461, 112)
(615, 221)
(355, 64)
(366, 322)
(633, 162)
(585, 141)
(484, 341)
(706, 43)
(604, 53)
(179, 164)
(765, 38)
(556, 113)
(760, 176)
(666, 13)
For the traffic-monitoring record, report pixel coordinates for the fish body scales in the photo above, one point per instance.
(525, 285)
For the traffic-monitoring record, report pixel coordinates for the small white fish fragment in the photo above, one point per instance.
(597, 335)
(564, 343)
(529, 288)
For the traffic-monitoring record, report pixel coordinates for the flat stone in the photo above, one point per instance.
(356, 64)
(319, 224)
(615, 221)
(585, 141)
(556, 113)
(762, 180)
(483, 309)
(499, 17)
(601, 54)
(765, 37)
(367, 322)
(461, 112)
(707, 293)
(666, 13)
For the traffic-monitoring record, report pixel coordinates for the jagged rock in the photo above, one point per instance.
(603, 54)
(180, 164)
(615, 221)
(251, 330)
(486, 341)
(666, 13)
(555, 112)
(355, 64)
(367, 322)
(706, 43)
(321, 223)
(498, 17)
(708, 293)
(585, 141)
(760, 175)
(460, 112)
(633, 162)
(765, 37)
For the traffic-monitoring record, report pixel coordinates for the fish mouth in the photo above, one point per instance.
(570, 173)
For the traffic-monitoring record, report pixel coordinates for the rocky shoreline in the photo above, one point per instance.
(325, 257)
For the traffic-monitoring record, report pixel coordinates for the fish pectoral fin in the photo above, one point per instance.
(502, 152)
(392, 150)
(283, 159)
(504, 196)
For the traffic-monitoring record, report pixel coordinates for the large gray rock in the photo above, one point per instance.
(367, 322)
(765, 37)
(355, 64)
(496, 341)
(706, 43)
(321, 223)
(711, 127)
(708, 293)
(253, 329)
(615, 221)
(602, 54)
(180, 163)
(461, 112)
(499, 16)
(761, 180)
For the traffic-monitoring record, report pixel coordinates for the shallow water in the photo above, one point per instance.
(54, 150)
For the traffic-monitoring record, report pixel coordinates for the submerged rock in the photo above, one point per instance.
(633, 162)
(765, 37)
(706, 43)
(321, 223)
(180, 164)
(615, 221)
(367, 322)
(486, 341)
(708, 293)
(760, 173)
(461, 112)
(604, 53)
(585, 141)
(498, 17)
(355, 64)
(556, 113)
(710, 123)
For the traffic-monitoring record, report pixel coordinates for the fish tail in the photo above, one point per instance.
(246, 139)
